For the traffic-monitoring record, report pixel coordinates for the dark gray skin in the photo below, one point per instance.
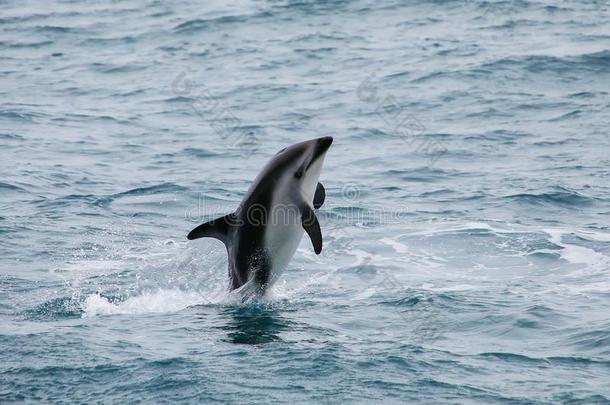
(287, 178)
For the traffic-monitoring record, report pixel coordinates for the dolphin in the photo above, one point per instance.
(262, 235)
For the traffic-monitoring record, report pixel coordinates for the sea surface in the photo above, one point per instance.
(466, 226)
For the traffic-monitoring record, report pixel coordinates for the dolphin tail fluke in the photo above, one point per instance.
(217, 228)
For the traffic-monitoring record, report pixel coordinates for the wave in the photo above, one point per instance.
(592, 340)
(560, 197)
(110, 68)
(499, 135)
(156, 189)
(598, 62)
(46, 29)
(424, 174)
(11, 137)
(551, 360)
(89, 199)
(19, 45)
(311, 7)
(568, 115)
(19, 116)
(199, 24)
(23, 18)
(10, 187)
(55, 309)
(199, 153)
(180, 99)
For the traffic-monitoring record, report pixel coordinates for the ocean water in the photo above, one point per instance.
(466, 226)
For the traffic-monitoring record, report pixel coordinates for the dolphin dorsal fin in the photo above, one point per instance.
(217, 228)
(312, 227)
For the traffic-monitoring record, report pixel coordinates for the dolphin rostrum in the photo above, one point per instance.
(262, 235)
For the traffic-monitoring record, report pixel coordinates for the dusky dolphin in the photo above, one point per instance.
(262, 235)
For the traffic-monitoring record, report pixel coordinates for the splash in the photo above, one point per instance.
(160, 301)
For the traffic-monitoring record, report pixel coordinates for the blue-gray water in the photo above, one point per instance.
(467, 245)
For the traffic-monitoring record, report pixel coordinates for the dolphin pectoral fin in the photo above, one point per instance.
(319, 197)
(217, 228)
(312, 227)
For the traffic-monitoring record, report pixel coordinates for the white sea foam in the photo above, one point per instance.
(165, 300)
(578, 254)
(149, 302)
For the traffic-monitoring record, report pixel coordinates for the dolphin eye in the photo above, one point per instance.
(298, 174)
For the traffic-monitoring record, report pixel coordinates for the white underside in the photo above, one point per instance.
(284, 229)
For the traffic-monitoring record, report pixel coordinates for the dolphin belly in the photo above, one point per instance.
(282, 237)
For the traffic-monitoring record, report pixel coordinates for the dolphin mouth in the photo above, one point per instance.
(322, 145)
